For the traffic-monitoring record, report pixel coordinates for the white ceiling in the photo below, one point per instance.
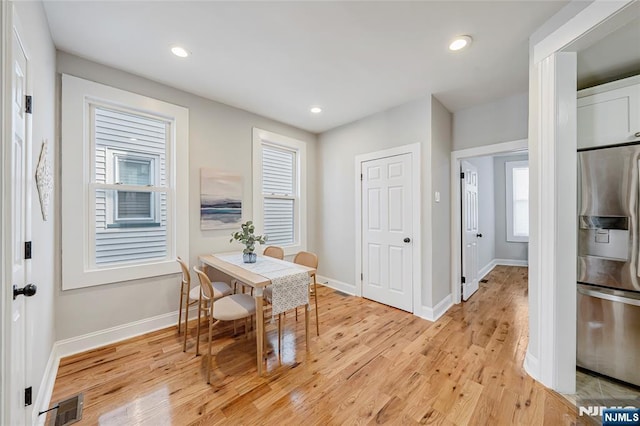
(277, 59)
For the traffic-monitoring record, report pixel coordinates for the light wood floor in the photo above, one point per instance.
(371, 364)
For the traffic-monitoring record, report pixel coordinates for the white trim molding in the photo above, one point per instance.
(433, 314)
(300, 214)
(43, 399)
(340, 286)
(416, 195)
(456, 194)
(5, 178)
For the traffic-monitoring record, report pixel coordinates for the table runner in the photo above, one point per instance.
(290, 283)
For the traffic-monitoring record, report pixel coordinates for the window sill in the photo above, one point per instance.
(134, 225)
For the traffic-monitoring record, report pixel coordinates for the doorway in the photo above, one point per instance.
(480, 240)
(388, 228)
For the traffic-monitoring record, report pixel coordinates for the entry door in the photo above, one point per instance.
(469, 229)
(387, 231)
(19, 219)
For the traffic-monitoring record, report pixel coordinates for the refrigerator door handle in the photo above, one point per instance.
(610, 297)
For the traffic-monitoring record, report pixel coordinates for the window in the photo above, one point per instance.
(279, 182)
(124, 185)
(517, 190)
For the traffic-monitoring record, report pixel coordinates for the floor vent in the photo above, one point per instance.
(69, 411)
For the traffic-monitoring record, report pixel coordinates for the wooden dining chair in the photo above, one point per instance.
(310, 260)
(190, 296)
(274, 251)
(227, 308)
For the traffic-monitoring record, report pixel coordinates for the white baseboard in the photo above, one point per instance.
(74, 345)
(487, 268)
(532, 366)
(118, 333)
(43, 399)
(432, 314)
(511, 262)
(337, 285)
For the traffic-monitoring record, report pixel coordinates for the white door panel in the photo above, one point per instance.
(19, 220)
(469, 229)
(386, 223)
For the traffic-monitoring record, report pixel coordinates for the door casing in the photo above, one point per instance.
(456, 205)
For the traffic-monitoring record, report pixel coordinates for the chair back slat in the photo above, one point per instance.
(186, 277)
(274, 251)
(307, 259)
(205, 284)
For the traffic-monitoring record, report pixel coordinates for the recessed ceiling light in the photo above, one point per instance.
(316, 110)
(460, 42)
(180, 51)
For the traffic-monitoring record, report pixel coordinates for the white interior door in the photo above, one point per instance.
(20, 227)
(469, 229)
(387, 251)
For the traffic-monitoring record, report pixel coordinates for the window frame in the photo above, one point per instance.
(264, 137)
(78, 185)
(112, 169)
(509, 167)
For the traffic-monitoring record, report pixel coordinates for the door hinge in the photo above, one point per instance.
(461, 175)
(27, 250)
(464, 280)
(28, 396)
(361, 276)
(28, 103)
(361, 176)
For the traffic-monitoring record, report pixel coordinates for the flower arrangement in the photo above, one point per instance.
(247, 237)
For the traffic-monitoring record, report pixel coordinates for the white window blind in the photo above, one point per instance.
(517, 200)
(521, 201)
(279, 194)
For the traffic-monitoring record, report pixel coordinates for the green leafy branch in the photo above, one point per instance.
(247, 237)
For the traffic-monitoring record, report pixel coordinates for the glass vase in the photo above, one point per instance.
(249, 257)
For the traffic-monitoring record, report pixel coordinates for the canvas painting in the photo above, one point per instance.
(220, 199)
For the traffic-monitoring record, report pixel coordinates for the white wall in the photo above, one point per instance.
(486, 210)
(500, 121)
(421, 121)
(220, 137)
(441, 121)
(40, 308)
(505, 249)
(337, 149)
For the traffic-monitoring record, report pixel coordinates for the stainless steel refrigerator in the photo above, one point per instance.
(608, 259)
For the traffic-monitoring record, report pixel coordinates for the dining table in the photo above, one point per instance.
(258, 275)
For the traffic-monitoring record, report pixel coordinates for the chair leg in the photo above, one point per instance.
(186, 324)
(315, 296)
(180, 309)
(280, 338)
(198, 328)
(209, 349)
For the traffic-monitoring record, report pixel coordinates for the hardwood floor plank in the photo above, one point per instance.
(372, 364)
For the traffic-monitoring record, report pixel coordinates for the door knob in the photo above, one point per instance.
(28, 291)
(479, 235)
(407, 240)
